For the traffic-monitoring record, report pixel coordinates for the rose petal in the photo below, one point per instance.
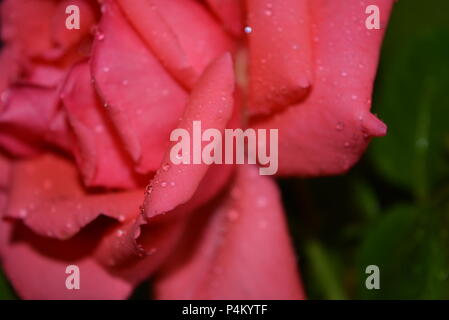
(329, 131)
(180, 33)
(59, 132)
(230, 13)
(211, 102)
(36, 267)
(239, 249)
(21, 28)
(200, 37)
(5, 175)
(134, 250)
(280, 49)
(101, 249)
(44, 75)
(47, 195)
(10, 66)
(143, 101)
(25, 118)
(98, 151)
(64, 38)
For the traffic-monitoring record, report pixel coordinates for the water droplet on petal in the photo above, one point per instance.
(4, 96)
(248, 29)
(340, 126)
(261, 202)
(165, 167)
(99, 128)
(148, 189)
(233, 215)
(23, 213)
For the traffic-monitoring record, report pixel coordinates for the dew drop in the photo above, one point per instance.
(99, 128)
(163, 184)
(340, 126)
(148, 189)
(233, 215)
(4, 96)
(263, 224)
(165, 167)
(248, 29)
(23, 213)
(261, 202)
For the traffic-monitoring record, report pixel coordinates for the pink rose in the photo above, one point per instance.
(85, 120)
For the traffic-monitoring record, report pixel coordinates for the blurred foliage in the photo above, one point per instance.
(6, 292)
(392, 209)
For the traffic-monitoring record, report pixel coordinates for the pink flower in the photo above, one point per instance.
(85, 120)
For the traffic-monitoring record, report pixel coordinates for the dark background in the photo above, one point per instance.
(391, 209)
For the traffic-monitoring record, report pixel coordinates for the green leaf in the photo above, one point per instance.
(411, 97)
(409, 247)
(323, 269)
(6, 292)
